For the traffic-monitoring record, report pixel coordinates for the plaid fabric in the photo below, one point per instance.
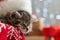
(8, 32)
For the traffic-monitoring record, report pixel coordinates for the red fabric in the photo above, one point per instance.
(45, 31)
(57, 35)
(1, 0)
(55, 29)
(51, 31)
(8, 32)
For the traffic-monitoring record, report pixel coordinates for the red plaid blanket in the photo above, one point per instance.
(8, 32)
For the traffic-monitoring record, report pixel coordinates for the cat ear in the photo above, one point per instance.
(19, 14)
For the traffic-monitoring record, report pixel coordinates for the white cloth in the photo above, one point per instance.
(9, 5)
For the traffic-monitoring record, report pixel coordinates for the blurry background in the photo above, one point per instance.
(49, 12)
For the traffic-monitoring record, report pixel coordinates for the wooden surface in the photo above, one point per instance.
(34, 38)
